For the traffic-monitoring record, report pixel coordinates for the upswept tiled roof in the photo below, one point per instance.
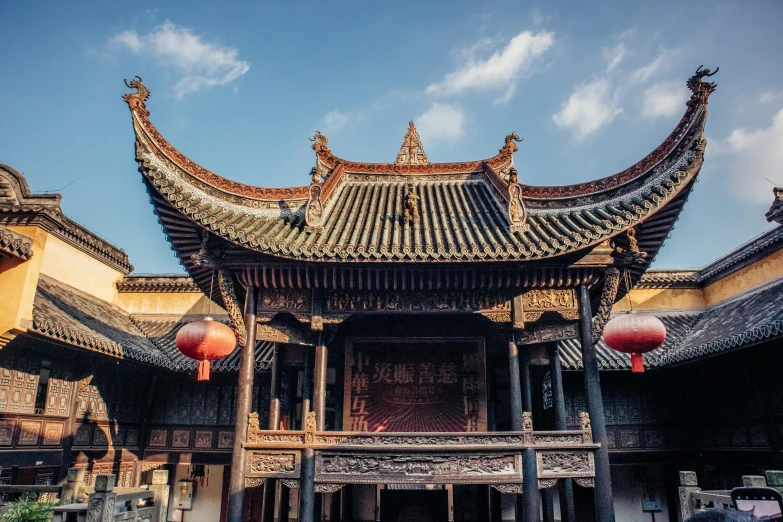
(68, 315)
(748, 319)
(15, 244)
(464, 208)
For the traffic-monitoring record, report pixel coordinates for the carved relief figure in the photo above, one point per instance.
(411, 206)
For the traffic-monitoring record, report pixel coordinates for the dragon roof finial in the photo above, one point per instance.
(135, 100)
(320, 143)
(509, 146)
(701, 90)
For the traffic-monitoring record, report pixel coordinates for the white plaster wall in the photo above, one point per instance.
(206, 500)
(629, 484)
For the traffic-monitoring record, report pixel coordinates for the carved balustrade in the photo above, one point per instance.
(420, 458)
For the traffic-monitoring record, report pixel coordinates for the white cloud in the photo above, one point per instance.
(202, 64)
(770, 96)
(499, 71)
(615, 55)
(644, 73)
(591, 106)
(335, 120)
(756, 155)
(538, 17)
(664, 99)
(441, 122)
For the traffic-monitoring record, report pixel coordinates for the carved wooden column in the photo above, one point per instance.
(567, 513)
(515, 391)
(247, 368)
(319, 394)
(604, 504)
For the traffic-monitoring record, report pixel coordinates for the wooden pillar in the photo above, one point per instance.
(530, 507)
(319, 394)
(515, 391)
(270, 485)
(604, 504)
(567, 513)
(247, 368)
(144, 433)
(307, 487)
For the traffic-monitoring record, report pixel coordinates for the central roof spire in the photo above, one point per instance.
(411, 151)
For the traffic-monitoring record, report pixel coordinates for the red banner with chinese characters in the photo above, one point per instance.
(415, 385)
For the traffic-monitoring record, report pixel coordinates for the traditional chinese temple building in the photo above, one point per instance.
(416, 341)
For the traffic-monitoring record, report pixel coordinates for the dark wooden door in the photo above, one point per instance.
(414, 506)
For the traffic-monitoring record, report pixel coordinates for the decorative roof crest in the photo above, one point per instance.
(411, 150)
(320, 143)
(701, 90)
(136, 99)
(510, 147)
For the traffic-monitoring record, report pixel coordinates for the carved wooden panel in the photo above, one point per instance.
(29, 432)
(7, 429)
(83, 435)
(58, 396)
(180, 438)
(274, 464)
(202, 439)
(100, 437)
(225, 439)
(418, 468)
(548, 333)
(132, 437)
(53, 433)
(18, 386)
(158, 438)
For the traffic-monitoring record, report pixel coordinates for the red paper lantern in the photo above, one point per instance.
(205, 341)
(635, 334)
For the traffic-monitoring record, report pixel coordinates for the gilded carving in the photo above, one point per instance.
(564, 463)
(254, 482)
(510, 144)
(314, 211)
(291, 484)
(549, 299)
(231, 304)
(585, 482)
(508, 489)
(547, 333)
(328, 488)
(546, 483)
(411, 206)
(416, 301)
(428, 465)
(283, 300)
(272, 464)
(584, 421)
(608, 294)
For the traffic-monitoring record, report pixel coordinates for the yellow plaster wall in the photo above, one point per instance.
(174, 303)
(79, 270)
(18, 282)
(760, 272)
(662, 299)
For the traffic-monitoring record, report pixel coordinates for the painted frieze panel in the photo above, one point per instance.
(158, 438)
(225, 439)
(414, 385)
(132, 437)
(83, 435)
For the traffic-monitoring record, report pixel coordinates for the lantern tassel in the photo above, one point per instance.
(637, 363)
(203, 371)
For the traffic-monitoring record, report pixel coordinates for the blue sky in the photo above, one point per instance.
(240, 87)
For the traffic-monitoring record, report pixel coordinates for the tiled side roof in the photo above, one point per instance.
(749, 319)
(677, 328)
(15, 244)
(68, 315)
(157, 284)
(162, 332)
(746, 320)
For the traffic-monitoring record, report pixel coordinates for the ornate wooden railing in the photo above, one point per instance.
(493, 458)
